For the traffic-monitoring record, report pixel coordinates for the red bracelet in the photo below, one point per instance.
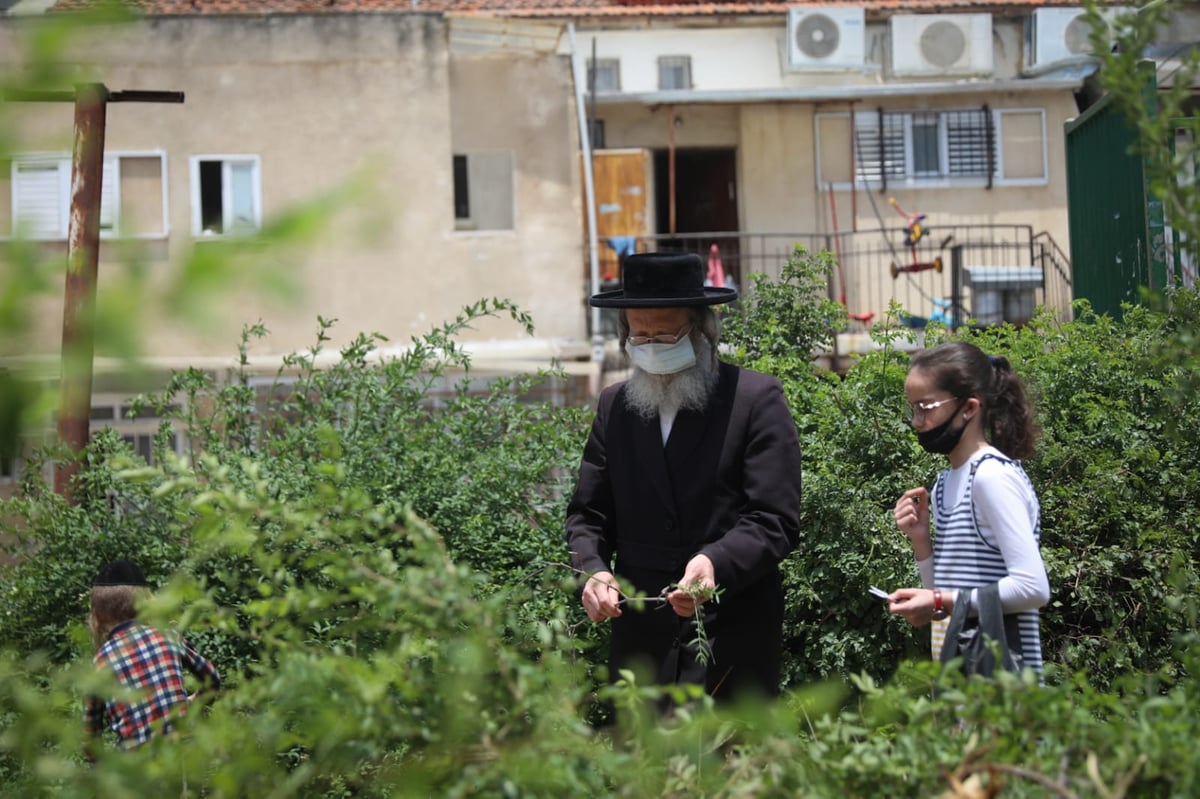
(939, 610)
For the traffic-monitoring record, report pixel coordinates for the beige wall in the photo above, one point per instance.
(523, 106)
(777, 154)
(779, 179)
(778, 192)
(643, 126)
(325, 98)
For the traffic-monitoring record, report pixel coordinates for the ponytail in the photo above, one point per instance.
(1010, 421)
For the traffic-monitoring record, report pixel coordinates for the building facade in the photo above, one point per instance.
(478, 148)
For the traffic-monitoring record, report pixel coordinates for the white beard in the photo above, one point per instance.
(647, 394)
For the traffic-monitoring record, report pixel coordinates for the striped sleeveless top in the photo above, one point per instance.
(962, 558)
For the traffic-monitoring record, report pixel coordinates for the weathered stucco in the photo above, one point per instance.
(326, 99)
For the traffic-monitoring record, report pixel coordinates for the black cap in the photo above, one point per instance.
(120, 572)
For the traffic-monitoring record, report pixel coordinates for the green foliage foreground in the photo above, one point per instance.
(376, 569)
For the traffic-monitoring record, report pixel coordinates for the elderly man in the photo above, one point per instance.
(690, 481)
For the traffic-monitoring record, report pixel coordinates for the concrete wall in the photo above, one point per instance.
(325, 99)
(753, 55)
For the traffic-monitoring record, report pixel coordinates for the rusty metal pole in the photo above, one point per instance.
(83, 255)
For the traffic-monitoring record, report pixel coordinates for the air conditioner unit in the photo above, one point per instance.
(821, 38)
(1058, 34)
(941, 44)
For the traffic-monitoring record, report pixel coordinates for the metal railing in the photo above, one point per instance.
(877, 267)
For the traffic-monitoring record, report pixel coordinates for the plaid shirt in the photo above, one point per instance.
(144, 658)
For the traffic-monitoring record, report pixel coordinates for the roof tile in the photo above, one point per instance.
(548, 8)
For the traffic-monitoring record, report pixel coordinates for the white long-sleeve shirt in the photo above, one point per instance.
(1006, 512)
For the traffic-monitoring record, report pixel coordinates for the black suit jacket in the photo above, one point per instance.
(727, 484)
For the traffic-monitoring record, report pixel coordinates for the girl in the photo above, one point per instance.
(984, 507)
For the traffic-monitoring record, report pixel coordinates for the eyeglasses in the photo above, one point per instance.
(665, 338)
(912, 410)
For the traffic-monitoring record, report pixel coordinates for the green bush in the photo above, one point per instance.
(377, 571)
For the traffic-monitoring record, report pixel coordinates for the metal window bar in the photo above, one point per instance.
(991, 144)
(879, 151)
(969, 144)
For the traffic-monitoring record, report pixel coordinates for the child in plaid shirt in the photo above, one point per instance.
(141, 657)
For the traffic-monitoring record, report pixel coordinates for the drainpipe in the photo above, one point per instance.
(589, 194)
(671, 167)
(853, 175)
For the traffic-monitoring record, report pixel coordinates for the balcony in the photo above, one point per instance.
(984, 273)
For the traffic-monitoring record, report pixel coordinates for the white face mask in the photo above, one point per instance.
(663, 359)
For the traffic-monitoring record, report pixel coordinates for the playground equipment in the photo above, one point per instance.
(866, 316)
(941, 313)
(914, 231)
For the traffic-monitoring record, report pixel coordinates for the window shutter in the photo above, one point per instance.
(110, 195)
(879, 156)
(39, 206)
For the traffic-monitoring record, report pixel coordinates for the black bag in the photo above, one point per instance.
(976, 640)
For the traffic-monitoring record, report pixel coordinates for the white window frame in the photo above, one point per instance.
(682, 63)
(910, 180)
(611, 68)
(110, 194)
(910, 156)
(1045, 178)
(226, 161)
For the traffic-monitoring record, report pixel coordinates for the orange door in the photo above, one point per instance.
(623, 185)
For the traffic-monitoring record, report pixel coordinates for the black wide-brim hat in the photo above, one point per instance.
(662, 280)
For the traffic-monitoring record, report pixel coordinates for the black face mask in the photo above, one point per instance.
(941, 440)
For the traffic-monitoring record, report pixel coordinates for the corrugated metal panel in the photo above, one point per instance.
(1106, 209)
(1118, 230)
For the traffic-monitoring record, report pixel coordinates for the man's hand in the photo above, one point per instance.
(601, 595)
(698, 574)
